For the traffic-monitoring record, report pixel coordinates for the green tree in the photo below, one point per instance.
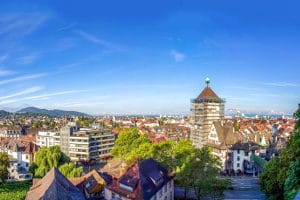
(277, 180)
(127, 142)
(270, 184)
(46, 158)
(69, 170)
(292, 182)
(4, 164)
(195, 168)
(163, 152)
(201, 173)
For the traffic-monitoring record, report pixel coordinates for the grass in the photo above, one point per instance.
(14, 190)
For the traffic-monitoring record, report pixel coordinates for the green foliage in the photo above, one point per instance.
(281, 174)
(292, 182)
(69, 170)
(270, 184)
(195, 168)
(163, 152)
(14, 190)
(48, 157)
(84, 121)
(32, 168)
(4, 164)
(127, 142)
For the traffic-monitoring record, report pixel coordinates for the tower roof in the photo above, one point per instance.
(207, 92)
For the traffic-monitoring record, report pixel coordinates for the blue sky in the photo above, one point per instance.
(149, 57)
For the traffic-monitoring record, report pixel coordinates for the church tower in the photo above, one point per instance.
(205, 109)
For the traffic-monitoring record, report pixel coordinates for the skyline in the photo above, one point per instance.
(149, 58)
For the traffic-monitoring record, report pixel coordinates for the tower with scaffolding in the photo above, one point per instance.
(205, 109)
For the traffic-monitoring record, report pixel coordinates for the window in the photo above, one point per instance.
(238, 165)
(238, 158)
(26, 157)
(246, 153)
(238, 151)
(165, 188)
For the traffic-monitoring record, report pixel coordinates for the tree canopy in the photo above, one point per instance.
(195, 168)
(48, 157)
(281, 176)
(4, 164)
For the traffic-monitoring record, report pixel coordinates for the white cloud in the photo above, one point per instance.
(38, 97)
(55, 94)
(6, 72)
(21, 78)
(94, 39)
(280, 84)
(178, 57)
(26, 91)
(3, 58)
(67, 27)
(21, 23)
(24, 60)
(100, 41)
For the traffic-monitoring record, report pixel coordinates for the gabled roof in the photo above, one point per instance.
(225, 133)
(142, 180)
(31, 148)
(53, 186)
(247, 146)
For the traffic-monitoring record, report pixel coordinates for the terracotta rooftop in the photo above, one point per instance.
(207, 93)
(54, 185)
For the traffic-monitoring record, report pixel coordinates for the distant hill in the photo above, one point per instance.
(52, 113)
(4, 113)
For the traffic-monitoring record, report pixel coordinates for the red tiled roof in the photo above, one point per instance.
(207, 93)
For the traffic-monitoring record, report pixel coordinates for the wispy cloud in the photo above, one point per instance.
(3, 58)
(178, 57)
(280, 84)
(24, 92)
(20, 23)
(28, 59)
(39, 97)
(67, 27)
(4, 72)
(245, 88)
(55, 94)
(22, 78)
(97, 40)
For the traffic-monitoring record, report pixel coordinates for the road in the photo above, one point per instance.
(244, 187)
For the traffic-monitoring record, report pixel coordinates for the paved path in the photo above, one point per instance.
(244, 187)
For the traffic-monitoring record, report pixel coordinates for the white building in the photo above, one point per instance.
(241, 156)
(47, 138)
(21, 156)
(80, 144)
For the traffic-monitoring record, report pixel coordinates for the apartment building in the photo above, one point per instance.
(80, 144)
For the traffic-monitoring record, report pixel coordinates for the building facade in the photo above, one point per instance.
(80, 144)
(205, 109)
